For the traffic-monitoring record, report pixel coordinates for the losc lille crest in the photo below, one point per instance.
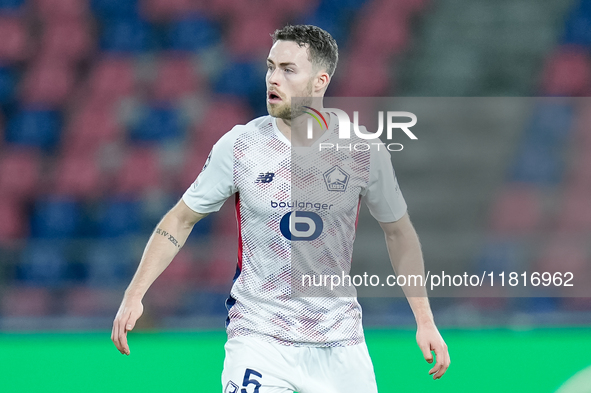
(336, 179)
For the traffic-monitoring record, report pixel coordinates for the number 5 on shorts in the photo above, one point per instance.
(249, 381)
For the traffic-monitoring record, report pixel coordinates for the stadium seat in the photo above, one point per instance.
(93, 124)
(176, 78)
(43, 264)
(516, 210)
(61, 10)
(381, 35)
(221, 116)
(13, 221)
(7, 6)
(575, 211)
(242, 79)
(567, 73)
(78, 176)
(157, 124)
(19, 173)
(578, 28)
(68, 40)
(353, 86)
(140, 172)
(502, 253)
(108, 9)
(48, 83)
(109, 264)
(119, 216)
(563, 253)
(165, 10)
(538, 164)
(82, 301)
(26, 301)
(56, 217)
(249, 35)
(130, 35)
(8, 82)
(34, 127)
(112, 78)
(15, 44)
(551, 122)
(192, 34)
(194, 161)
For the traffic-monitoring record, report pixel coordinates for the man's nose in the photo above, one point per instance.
(273, 77)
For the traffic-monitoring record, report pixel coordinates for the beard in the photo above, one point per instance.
(285, 111)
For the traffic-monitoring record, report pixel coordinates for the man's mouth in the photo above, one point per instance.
(273, 98)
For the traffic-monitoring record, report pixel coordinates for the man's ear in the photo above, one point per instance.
(321, 82)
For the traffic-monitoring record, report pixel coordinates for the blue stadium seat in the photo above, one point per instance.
(114, 8)
(538, 163)
(241, 79)
(158, 124)
(193, 33)
(551, 123)
(203, 228)
(125, 35)
(56, 218)
(578, 28)
(34, 127)
(501, 254)
(119, 217)
(7, 84)
(11, 5)
(43, 264)
(109, 264)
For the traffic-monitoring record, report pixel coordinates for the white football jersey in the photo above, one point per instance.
(297, 212)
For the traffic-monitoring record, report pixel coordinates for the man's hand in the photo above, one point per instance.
(429, 339)
(129, 312)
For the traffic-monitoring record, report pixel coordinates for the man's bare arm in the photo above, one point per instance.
(166, 240)
(406, 257)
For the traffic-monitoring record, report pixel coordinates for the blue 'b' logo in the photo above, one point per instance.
(301, 225)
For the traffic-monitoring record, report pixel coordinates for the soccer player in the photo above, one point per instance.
(278, 342)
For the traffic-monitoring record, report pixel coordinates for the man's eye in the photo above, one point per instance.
(288, 70)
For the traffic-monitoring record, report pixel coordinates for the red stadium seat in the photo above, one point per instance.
(140, 172)
(582, 124)
(364, 79)
(221, 116)
(516, 209)
(575, 212)
(93, 125)
(165, 10)
(13, 222)
(66, 40)
(175, 79)
(78, 176)
(26, 301)
(112, 78)
(85, 301)
(15, 44)
(48, 83)
(19, 173)
(249, 34)
(564, 253)
(194, 161)
(381, 35)
(225, 224)
(567, 73)
(61, 10)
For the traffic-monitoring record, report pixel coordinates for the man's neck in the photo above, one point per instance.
(296, 130)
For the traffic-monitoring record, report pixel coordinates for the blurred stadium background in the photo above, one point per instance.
(108, 109)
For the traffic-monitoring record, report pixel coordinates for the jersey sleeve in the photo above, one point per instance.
(382, 195)
(215, 183)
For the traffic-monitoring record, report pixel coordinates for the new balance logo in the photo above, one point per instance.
(265, 177)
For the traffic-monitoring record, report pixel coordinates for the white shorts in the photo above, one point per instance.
(253, 365)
